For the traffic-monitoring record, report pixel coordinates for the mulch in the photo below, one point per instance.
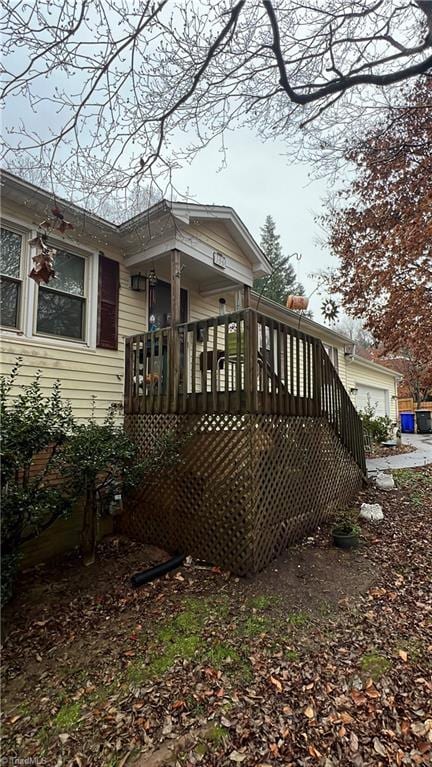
(378, 451)
(323, 659)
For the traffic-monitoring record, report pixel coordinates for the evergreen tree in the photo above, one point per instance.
(283, 279)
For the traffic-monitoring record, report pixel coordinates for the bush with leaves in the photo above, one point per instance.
(378, 428)
(100, 461)
(31, 425)
(93, 461)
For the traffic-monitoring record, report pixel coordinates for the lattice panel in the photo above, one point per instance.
(247, 486)
(301, 472)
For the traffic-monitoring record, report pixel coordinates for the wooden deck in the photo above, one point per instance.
(239, 363)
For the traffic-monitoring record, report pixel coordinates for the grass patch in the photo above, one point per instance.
(292, 655)
(67, 717)
(374, 665)
(179, 646)
(262, 602)
(181, 637)
(253, 626)
(214, 738)
(224, 657)
(217, 734)
(101, 694)
(413, 647)
(220, 654)
(418, 485)
(298, 619)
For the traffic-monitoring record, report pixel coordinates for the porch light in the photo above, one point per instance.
(354, 390)
(152, 278)
(138, 282)
(222, 306)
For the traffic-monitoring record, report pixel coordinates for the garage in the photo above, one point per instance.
(378, 398)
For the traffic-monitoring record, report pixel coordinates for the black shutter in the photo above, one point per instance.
(108, 300)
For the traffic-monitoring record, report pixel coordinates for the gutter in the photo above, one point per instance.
(297, 318)
(376, 366)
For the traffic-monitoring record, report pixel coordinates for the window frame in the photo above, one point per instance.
(29, 289)
(73, 251)
(333, 355)
(24, 233)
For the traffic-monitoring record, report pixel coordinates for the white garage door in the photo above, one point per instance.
(377, 397)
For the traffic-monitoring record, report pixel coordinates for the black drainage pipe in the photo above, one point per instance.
(139, 579)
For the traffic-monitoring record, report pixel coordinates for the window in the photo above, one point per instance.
(333, 354)
(61, 306)
(10, 281)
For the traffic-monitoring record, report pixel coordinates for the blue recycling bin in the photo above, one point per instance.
(407, 423)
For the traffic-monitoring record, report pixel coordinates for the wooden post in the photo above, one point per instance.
(175, 288)
(174, 357)
(246, 297)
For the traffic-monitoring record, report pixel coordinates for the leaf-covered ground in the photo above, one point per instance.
(378, 451)
(324, 659)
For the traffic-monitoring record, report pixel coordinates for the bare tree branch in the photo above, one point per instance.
(104, 93)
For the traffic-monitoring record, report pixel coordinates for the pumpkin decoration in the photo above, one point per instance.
(297, 302)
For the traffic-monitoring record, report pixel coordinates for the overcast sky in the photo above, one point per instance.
(259, 180)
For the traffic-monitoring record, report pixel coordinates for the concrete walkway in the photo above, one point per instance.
(421, 456)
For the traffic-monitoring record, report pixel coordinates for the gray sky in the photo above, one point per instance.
(259, 180)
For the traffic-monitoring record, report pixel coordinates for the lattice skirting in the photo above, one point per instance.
(247, 486)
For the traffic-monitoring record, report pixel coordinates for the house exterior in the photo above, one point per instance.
(157, 317)
(75, 327)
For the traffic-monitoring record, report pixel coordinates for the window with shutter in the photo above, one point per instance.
(108, 300)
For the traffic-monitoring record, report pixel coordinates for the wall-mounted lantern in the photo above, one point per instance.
(354, 390)
(138, 282)
(152, 278)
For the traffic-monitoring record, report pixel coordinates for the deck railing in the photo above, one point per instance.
(244, 362)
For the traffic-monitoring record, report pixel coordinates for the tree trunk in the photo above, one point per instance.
(89, 528)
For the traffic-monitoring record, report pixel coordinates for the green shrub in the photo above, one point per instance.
(31, 424)
(96, 461)
(99, 461)
(377, 427)
(346, 522)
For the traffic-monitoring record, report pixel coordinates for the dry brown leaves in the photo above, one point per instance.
(351, 686)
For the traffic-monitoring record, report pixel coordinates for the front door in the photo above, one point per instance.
(160, 305)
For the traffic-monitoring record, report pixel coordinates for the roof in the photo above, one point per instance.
(42, 200)
(316, 328)
(301, 320)
(376, 365)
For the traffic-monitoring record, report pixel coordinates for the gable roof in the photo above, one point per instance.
(19, 190)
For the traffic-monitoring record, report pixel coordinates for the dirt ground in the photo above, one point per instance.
(322, 659)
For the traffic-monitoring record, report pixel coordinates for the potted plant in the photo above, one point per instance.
(346, 531)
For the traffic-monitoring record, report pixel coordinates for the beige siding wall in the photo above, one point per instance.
(83, 372)
(358, 373)
(216, 235)
(86, 372)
